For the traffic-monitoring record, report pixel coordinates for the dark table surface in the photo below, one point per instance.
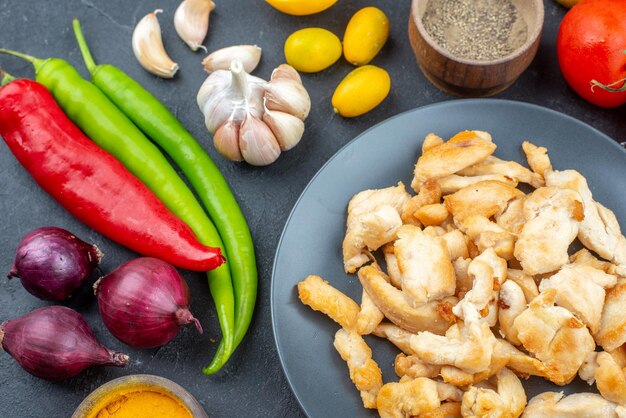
(253, 383)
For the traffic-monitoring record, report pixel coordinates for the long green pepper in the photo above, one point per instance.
(153, 118)
(108, 127)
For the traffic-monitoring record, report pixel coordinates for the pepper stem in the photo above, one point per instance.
(6, 78)
(609, 87)
(35, 61)
(84, 48)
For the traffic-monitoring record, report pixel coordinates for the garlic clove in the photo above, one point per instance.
(288, 95)
(148, 47)
(226, 141)
(257, 143)
(287, 128)
(248, 55)
(191, 21)
(214, 83)
(286, 71)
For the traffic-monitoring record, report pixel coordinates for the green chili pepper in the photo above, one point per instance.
(151, 116)
(108, 127)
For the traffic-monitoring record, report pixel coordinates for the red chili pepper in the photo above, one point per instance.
(90, 183)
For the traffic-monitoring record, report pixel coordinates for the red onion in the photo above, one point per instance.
(144, 302)
(55, 343)
(52, 263)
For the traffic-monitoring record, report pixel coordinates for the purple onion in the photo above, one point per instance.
(144, 302)
(52, 263)
(55, 343)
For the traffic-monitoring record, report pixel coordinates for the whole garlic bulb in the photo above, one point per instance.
(251, 119)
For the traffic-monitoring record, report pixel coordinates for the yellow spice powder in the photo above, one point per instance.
(148, 402)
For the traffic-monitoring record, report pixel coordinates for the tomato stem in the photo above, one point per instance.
(610, 87)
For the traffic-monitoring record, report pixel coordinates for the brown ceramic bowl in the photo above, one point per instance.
(472, 78)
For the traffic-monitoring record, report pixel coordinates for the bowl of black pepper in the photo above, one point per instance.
(475, 48)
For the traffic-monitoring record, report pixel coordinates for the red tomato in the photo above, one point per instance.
(591, 45)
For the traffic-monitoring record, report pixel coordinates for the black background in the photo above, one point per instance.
(252, 384)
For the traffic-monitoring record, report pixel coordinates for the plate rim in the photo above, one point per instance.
(350, 143)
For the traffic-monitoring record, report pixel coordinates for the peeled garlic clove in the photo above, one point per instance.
(287, 128)
(249, 55)
(288, 95)
(148, 47)
(286, 71)
(191, 21)
(257, 143)
(226, 140)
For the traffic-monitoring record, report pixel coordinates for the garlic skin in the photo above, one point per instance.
(286, 71)
(288, 95)
(148, 47)
(249, 55)
(191, 21)
(226, 141)
(287, 129)
(257, 142)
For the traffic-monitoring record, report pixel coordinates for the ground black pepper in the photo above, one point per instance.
(481, 30)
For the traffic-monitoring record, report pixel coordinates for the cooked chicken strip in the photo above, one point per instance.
(456, 242)
(599, 230)
(433, 214)
(457, 377)
(585, 258)
(577, 405)
(521, 363)
(446, 410)
(392, 265)
(364, 371)
(429, 194)
(425, 266)
(554, 336)
(601, 368)
(408, 399)
(552, 216)
(393, 303)
(369, 316)
(612, 332)
(580, 289)
(494, 165)
(512, 219)
(463, 280)
(507, 402)
(453, 183)
(413, 367)
(511, 304)
(487, 198)
(525, 282)
(461, 151)
(373, 217)
(537, 157)
(430, 141)
(321, 296)
(487, 234)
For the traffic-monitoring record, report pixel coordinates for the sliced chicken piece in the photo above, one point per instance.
(601, 368)
(487, 234)
(554, 336)
(456, 242)
(433, 214)
(373, 218)
(395, 335)
(321, 296)
(430, 141)
(369, 316)
(494, 165)
(525, 282)
(599, 230)
(461, 151)
(580, 289)
(408, 399)
(612, 332)
(434, 231)
(470, 352)
(488, 273)
(453, 183)
(413, 367)
(508, 401)
(446, 410)
(537, 157)
(487, 198)
(425, 266)
(463, 280)
(392, 265)
(512, 219)
(429, 194)
(459, 378)
(585, 258)
(577, 405)
(449, 392)
(521, 363)
(364, 371)
(511, 303)
(394, 305)
(552, 218)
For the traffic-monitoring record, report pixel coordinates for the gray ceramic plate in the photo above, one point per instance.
(311, 241)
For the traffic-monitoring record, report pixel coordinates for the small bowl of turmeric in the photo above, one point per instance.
(140, 396)
(475, 48)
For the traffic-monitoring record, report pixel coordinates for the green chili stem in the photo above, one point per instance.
(84, 49)
(5, 78)
(35, 61)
